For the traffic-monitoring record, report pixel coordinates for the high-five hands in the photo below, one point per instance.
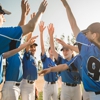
(45, 71)
(43, 6)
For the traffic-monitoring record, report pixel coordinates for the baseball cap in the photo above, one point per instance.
(34, 44)
(64, 48)
(3, 11)
(50, 48)
(94, 28)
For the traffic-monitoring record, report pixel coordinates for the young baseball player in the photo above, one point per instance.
(50, 89)
(13, 76)
(75, 30)
(29, 72)
(9, 34)
(14, 65)
(70, 78)
(89, 50)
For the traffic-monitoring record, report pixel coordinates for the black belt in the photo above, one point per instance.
(97, 93)
(17, 84)
(69, 84)
(52, 82)
(30, 82)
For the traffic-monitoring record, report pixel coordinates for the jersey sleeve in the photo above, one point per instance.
(10, 38)
(27, 55)
(76, 62)
(11, 32)
(83, 44)
(59, 60)
(43, 57)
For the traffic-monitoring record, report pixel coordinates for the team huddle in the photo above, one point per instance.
(74, 70)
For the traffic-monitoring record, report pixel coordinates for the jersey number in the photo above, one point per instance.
(93, 67)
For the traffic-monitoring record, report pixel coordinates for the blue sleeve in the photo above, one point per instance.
(59, 60)
(83, 44)
(10, 38)
(27, 55)
(11, 32)
(75, 62)
(43, 57)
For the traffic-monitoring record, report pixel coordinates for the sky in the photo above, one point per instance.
(85, 12)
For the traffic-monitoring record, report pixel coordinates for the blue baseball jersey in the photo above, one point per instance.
(29, 66)
(14, 70)
(69, 76)
(1, 69)
(10, 38)
(90, 54)
(48, 62)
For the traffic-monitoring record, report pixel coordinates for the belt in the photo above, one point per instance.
(17, 84)
(52, 82)
(97, 93)
(70, 84)
(30, 82)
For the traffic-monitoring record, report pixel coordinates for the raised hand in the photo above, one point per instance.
(61, 42)
(64, 2)
(43, 6)
(41, 27)
(45, 71)
(32, 40)
(25, 7)
(33, 15)
(50, 29)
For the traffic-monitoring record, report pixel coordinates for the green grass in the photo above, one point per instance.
(40, 96)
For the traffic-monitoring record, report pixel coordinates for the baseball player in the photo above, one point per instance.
(9, 34)
(50, 89)
(14, 65)
(75, 30)
(89, 50)
(14, 73)
(29, 72)
(71, 79)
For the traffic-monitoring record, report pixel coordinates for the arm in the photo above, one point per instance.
(30, 26)
(71, 18)
(29, 35)
(67, 45)
(25, 11)
(51, 32)
(58, 68)
(41, 29)
(14, 51)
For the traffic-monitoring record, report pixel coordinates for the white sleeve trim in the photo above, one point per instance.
(9, 37)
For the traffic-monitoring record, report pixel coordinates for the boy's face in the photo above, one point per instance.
(89, 35)
(33, 49)
(2, 19)
(50, 52)
(67, 53)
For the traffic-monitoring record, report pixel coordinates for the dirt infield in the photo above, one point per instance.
(39, 83)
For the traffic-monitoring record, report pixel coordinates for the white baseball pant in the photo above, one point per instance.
(71, 93)
(85, 94)
(94, 96)
(10, 90)
(50, 91)
(27, 90)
